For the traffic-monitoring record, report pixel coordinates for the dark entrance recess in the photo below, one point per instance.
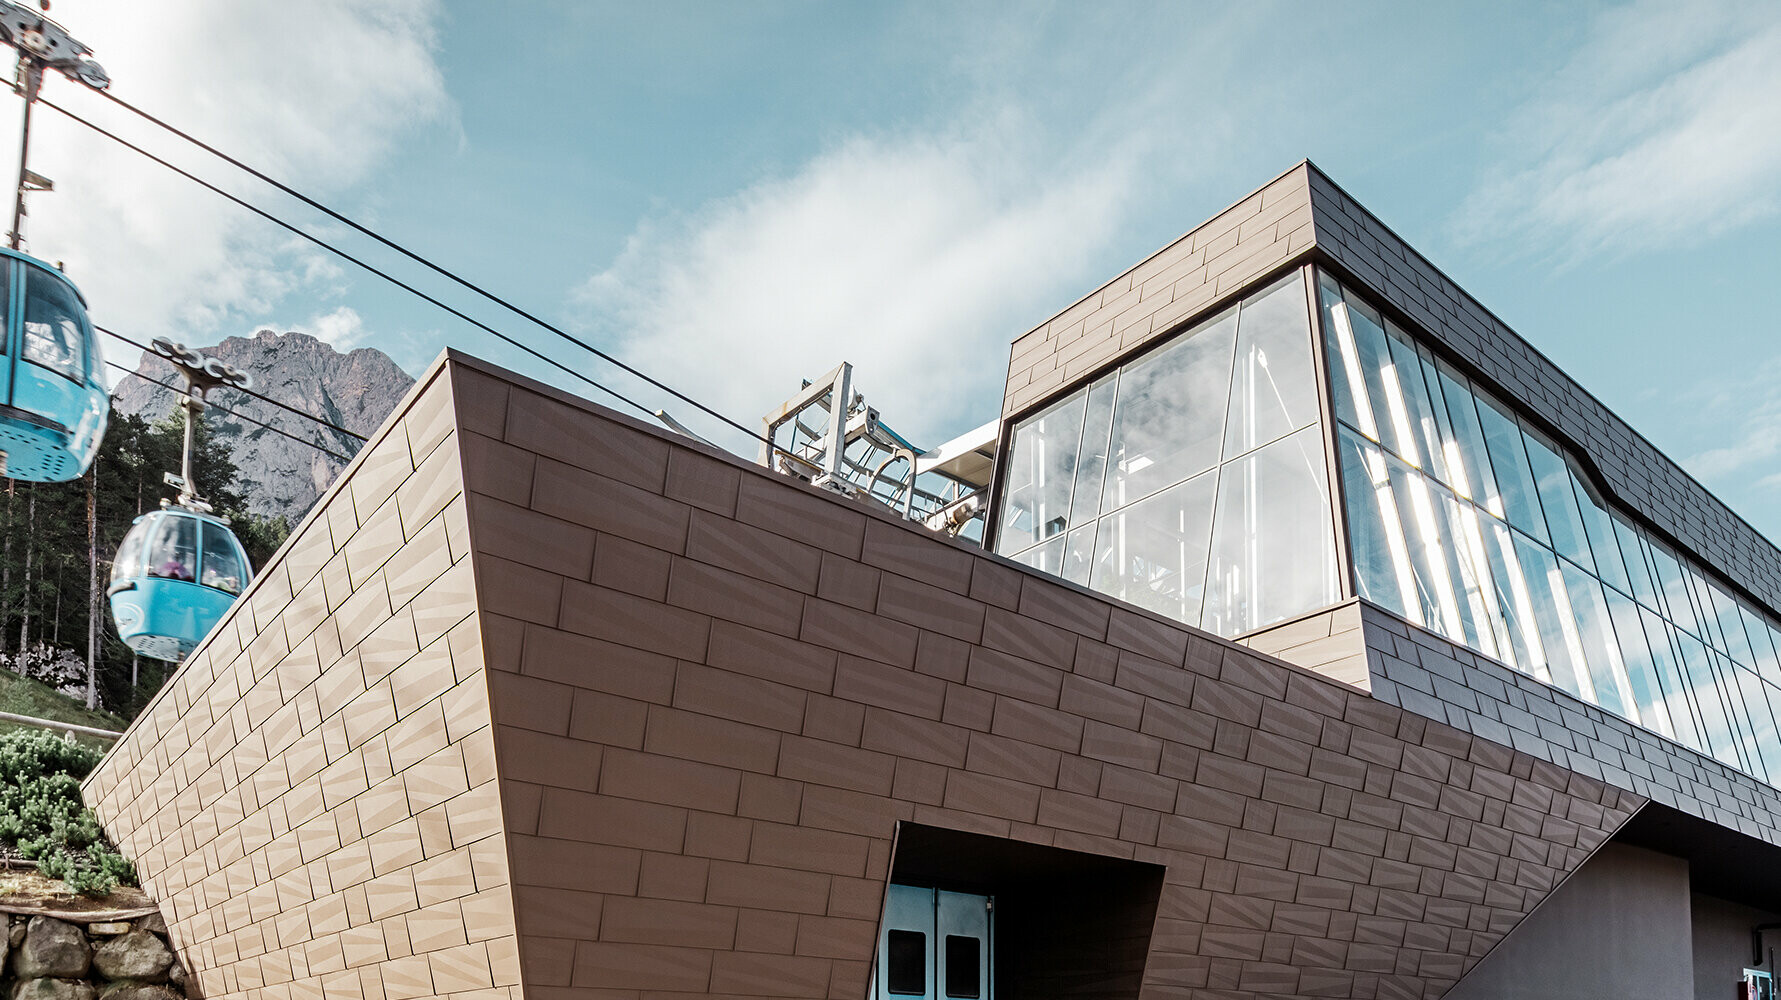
(1067, 923)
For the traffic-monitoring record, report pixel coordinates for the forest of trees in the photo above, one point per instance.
(47, 581)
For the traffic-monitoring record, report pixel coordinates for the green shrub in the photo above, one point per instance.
(42, 815)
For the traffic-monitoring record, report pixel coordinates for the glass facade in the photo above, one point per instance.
(1191, 481)
(1469, 522)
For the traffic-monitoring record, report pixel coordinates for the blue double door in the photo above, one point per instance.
(935, 945)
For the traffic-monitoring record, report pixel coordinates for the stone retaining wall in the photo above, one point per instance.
(51, 959)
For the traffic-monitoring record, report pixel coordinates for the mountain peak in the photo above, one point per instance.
(355, 390)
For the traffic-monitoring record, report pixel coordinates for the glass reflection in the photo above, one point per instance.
(1552, 480)
(1468, 463)
(1079, 550)
(1168, 421)
(1464, 520)
(1273, 389)
(1508, 460)
(1641, 671)
(1600, 528)
(1097, 423)
(1273, 549)
(1375, 532)
(1040, 474)
(1662, 638)
(1153, 553)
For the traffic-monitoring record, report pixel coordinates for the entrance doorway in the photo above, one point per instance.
(935, 945)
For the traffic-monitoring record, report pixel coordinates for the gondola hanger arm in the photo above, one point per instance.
(43, 40)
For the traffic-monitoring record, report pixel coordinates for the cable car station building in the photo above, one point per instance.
(1327, 642)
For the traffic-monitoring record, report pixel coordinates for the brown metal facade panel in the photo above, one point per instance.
(312, 795)
(714, 812)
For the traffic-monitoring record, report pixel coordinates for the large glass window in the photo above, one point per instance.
(1464, 519)
(1191, 481)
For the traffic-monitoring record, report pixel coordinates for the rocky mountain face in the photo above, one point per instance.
(278, 475)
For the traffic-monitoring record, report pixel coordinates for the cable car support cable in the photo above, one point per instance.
(578, 342)
(342, 254)
(423, 261)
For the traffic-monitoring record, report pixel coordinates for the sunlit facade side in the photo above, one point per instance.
(1191, 481)
(1468, 521)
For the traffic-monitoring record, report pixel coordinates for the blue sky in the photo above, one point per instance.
(737, 196)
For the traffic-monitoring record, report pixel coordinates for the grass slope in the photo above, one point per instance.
(24, 696)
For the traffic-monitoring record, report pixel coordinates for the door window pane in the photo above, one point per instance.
(1273, 551)
(1153, 553)
(1168, 421)
(906, 972)
(964, 974)
(1273, 391)
(173, 553)
(1040, 476)
(128, 563)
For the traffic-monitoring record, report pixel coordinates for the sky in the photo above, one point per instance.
(734, 197)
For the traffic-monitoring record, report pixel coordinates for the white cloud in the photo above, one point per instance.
(317, 94)
(344, 328)
(904, 256)
(916, 257)
(1663, 127)
(1749, 405)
